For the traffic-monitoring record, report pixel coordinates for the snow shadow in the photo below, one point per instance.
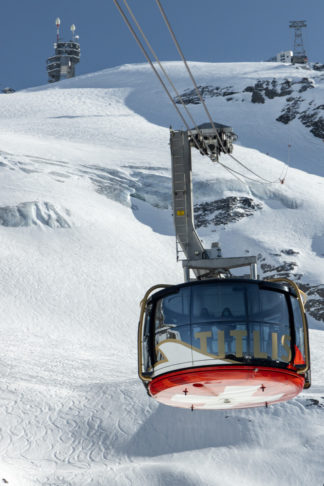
(118, 418)
(318, 245)
(159, 220)
(171, 430)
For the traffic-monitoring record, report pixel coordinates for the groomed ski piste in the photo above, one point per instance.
(86, 227)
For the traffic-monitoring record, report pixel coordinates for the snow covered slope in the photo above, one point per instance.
(86, 228)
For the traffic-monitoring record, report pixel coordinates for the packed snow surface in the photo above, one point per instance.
(86, 227)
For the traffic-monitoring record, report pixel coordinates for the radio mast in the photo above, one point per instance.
(299, 56)
(67, 55)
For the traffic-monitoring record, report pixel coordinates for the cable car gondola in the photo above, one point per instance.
(224, 343)
(219, 341)
(216, 342)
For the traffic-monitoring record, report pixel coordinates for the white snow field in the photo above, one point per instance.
(86, 227)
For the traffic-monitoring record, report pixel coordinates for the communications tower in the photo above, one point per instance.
(67, 55)
(299, 56)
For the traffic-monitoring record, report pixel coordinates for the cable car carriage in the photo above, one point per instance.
(216, 342)
(224, 343)
(219, 342)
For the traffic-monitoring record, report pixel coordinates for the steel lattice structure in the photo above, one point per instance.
(299, 56)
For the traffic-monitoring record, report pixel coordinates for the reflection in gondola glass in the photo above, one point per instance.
(233, 320)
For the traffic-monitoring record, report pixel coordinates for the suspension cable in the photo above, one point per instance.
(202, 101)
(150, 62)
(286, 168)
(160, 65)
(265, 181)
(166, 75)
(208, 151)
(126, 20)
(233, 171)
(157, 74)
(199, 93)
(185, 62)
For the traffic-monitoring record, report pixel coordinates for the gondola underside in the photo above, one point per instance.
(217, 387)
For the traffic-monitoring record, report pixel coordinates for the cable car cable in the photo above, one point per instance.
(169, 80)
(164, 72)
(286, 168)
(265, 182)
(150, 62)
(149, 45)
(171, 83)
(185, 62)
(175, 90)
(198, 91)
(156, 72)
(233, 172)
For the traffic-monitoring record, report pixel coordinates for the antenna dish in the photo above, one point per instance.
(58, 21)
(72, 28)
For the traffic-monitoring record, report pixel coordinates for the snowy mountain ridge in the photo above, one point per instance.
(86, 227)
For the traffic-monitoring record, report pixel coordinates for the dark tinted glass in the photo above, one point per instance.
(236, 320)
(172, 320)
(299, 333)
(240, 320)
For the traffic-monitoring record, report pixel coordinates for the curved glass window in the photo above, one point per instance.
(241, 321)
(299, 354)
(246, 322)
(172, 321)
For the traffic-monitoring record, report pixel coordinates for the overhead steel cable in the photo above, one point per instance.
(167, 77)
(234, 172)
(267, 181)
(198, 91)
(202, 141)
(202, 101)
(160, 65)
(126, 20)
(146, 55)
(185, 62)
(285, 169)
(150, 62)
(179, 97)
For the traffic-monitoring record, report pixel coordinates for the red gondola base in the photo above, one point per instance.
(221, 387)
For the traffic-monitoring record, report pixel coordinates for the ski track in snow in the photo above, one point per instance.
(107, 431)
(72, 410)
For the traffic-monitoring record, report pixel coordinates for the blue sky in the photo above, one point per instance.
(208, 30)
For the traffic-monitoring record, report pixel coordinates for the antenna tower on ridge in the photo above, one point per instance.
(299, 56)
(67, 55)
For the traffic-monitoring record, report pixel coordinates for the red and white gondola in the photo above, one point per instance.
(224, 343)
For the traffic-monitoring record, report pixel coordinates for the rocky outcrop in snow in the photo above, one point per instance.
(223, 211)
(269, 89)
(190, 97)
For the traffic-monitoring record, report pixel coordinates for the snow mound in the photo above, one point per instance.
(139, 183)
(34, 214)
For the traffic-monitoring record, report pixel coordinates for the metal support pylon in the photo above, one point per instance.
(204, 263)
